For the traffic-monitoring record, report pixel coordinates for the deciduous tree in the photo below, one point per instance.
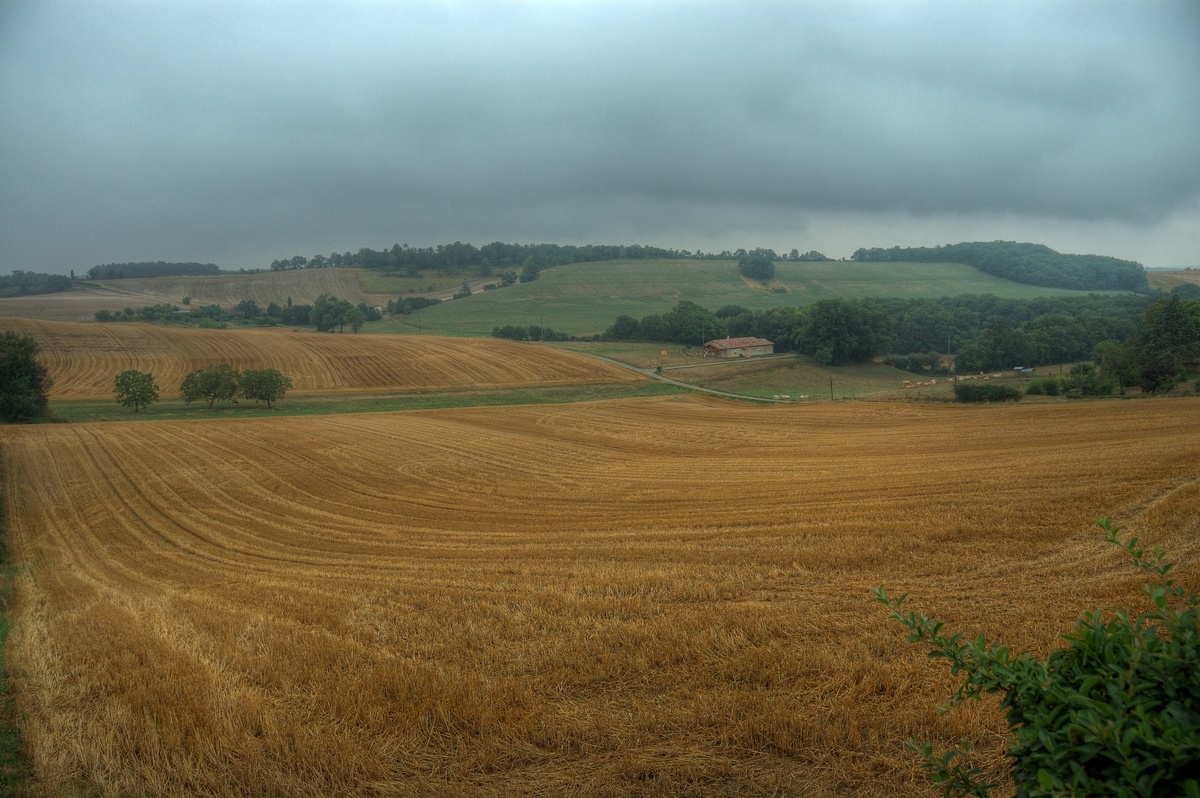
(24, 381)
(215, 383)
(757, 267)
(135, 389)
(265, 385)
(1168, 340)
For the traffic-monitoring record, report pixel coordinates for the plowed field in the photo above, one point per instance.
(302, 287)
(644, 597)
(83, 359)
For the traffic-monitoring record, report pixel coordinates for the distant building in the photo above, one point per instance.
(739, 347)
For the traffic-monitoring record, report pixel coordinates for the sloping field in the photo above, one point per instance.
(302, 286)
(1166, 280)
(646, 597)
(83, 359)
(585, 298)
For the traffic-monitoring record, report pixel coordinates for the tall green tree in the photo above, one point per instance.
(24, 381)
(688, 323)
(264, 385)
(530, 270)
(997, 347)
(215, 383)
(1168, 340)
(839, 331)
(135, 389)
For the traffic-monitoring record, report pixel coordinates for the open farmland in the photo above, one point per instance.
(1166, 280)
(642, 597)
(83, 359)
(302, 287)
(585, 298)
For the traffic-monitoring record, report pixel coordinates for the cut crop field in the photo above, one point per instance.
(1166, 280)
(301, 286)
(83, 359)
(650, 597)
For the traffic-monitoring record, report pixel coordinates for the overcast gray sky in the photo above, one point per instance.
(239, 132)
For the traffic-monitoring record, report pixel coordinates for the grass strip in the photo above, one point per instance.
(330, 404)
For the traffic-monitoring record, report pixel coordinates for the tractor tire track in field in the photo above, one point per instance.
(83, 359)
(516, 598)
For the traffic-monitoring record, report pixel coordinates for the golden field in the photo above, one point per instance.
(84, 358)
(650, 597)
(302, 287)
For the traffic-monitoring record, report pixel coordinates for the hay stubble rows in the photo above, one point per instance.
(83, 359)
(640, 597)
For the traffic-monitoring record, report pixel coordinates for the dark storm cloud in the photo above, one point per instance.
(241, 131)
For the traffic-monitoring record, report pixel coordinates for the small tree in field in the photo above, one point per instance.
(1116, 712)
(265, 385)
(757, 267)
(135, 389)
(215, 383)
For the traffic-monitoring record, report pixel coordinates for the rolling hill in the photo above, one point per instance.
(81, 304)
(580, 299)
(83, 359)
(585, 298)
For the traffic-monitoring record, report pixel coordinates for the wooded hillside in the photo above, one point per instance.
(1034, 264)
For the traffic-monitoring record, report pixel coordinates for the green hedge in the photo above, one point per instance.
(985, 392)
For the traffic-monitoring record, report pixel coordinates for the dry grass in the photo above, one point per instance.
(654, 597)
(83, 359)
(303, 287)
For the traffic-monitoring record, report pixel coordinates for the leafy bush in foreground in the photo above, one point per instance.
(1115, 712)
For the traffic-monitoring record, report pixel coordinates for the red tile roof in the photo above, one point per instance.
(738, 343)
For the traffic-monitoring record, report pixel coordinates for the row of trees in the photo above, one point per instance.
(1034, 264)
(21, 283)
(25, 383)
(1133, 338)
(533, 332)
(325, 314)
(158, 268)
(221, 383)
(498, 256)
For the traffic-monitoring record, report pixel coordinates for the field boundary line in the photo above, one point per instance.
(655, 375)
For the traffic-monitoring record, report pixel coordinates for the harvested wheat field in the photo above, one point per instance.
(81, 304)
(652, 597)
(83, 359)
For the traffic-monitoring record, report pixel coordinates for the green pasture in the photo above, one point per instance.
(585, 298)
(766, 376)
(376, 282)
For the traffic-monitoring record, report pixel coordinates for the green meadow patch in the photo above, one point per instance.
(585, 298)
(327, 404)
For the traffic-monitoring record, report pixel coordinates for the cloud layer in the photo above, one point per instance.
(235, 132)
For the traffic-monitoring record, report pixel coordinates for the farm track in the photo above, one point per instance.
(83, 359)
(639, 597)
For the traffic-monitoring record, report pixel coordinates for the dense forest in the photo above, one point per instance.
(1033, 264)
(840, 331)
(21, 283)
(158, 268)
